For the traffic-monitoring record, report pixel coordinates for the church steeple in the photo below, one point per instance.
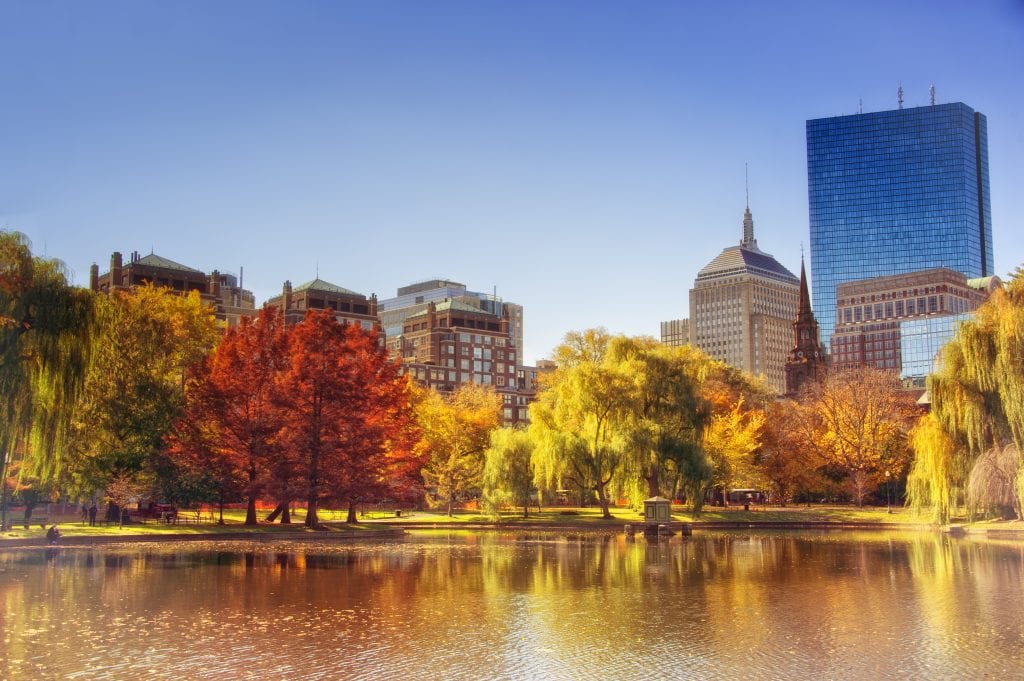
(804, 313)
(805, 360)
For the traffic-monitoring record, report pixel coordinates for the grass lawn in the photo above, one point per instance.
(592, 515)
(71, 526)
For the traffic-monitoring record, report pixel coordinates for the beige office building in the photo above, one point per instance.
(742, 308)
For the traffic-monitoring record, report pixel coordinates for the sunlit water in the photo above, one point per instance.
(497, 605)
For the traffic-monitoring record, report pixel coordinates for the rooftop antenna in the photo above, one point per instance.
(746, 181)
(931, 93)
(860, 106)
(317, 269)
(899, 95)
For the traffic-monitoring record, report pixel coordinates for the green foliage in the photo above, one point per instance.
(573, 421)
(934, 482)
(978, 401)
(146, 340)
(45, 342)
(508, 471)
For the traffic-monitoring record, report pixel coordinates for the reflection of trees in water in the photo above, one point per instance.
(572, 595)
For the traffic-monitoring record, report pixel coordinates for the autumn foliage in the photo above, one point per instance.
(315, 412)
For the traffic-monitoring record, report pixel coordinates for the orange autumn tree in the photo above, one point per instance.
(233, 416)
(346, 413)
(857, 421)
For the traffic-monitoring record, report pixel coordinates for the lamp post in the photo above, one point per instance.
(888, 504)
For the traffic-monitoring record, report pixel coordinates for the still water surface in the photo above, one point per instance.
(455, 605)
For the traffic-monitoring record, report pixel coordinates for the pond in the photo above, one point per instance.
(460, 605)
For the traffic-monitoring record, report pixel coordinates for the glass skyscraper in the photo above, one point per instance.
(893, 192)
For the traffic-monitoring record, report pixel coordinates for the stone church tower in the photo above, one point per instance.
(806, 361)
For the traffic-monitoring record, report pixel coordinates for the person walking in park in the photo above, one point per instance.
(92, 515)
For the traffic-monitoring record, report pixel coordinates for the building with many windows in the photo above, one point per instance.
(452, 343)
(413, 299)
(675, 332)
(742, 307)
(893, 192)
(222, 292)
(900, 322)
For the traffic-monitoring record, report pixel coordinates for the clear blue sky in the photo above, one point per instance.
(585, 158)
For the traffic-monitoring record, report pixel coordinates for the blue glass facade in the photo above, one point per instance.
(920, 342)
(893, 192)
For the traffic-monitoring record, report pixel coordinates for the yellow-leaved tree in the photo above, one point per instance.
(456, 433)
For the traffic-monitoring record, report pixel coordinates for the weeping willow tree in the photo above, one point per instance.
(978, 405)
(45, 328)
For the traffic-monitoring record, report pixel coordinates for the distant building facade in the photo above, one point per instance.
(451, 343)
(413, 299)
(893, 192)
(900, 322)
(222, 292)
(675, 332)
(742, 307)
(348, 306)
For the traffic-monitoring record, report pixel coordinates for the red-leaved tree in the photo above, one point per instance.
(233, 417)
(348, 420)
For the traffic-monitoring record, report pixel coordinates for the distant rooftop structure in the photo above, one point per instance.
(429, 285)
(324, 287)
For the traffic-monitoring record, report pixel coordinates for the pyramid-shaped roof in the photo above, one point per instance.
(154, 260)
(742, 260)
(325, 287)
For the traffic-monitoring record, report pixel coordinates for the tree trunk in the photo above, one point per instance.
(526, 510)
(3, 490)
(653, 484)
(250, 511)
(352, 519)
(602, 499)
(220, 503)
(312, 520)
(278, 510)
(286, 514)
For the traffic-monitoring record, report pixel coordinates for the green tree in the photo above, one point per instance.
(508, 470)
(147, 338)
(664, 414)
(45, 342)
(978, 403)
(456, 431)
(574, 419)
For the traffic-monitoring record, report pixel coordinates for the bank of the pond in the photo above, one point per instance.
(392, 524)
(265, 533)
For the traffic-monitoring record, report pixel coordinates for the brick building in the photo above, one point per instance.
(348, 306)
(223, 292)
(452, 343)
(886, 321)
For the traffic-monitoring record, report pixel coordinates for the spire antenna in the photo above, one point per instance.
(746, 181)
(931, 93)
(899, 95)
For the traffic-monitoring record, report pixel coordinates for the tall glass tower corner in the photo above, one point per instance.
(893, 192)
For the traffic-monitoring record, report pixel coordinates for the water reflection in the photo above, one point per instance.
(461, 605)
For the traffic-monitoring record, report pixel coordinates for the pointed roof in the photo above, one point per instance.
(739, 260)
(153, 260)
(803, 310)
(325, 287)
(746, 258)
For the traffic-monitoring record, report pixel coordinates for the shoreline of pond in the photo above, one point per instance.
(399, 529)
